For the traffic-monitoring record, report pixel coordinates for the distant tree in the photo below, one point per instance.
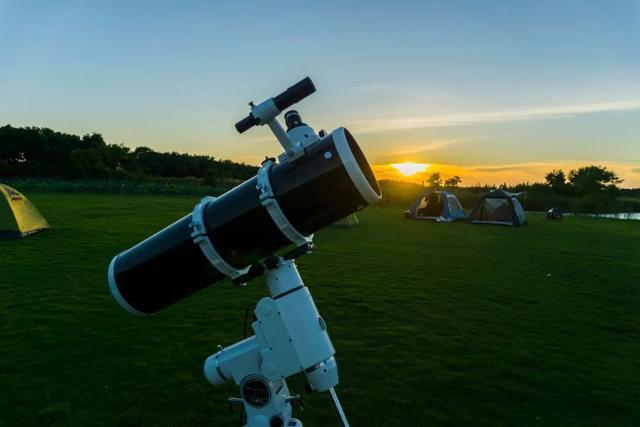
(87, 163)
(117, 157)
(556, 180)
(434, 180)
(593, 179)
(211, 177)
(139, 151)
(93, 140)
(32, 151)
(453, 182)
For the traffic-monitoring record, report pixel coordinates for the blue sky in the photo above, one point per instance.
(498, 90)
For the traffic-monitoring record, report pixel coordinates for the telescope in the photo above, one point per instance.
(258, 229)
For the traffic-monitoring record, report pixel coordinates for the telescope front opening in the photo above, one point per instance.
(365, 169)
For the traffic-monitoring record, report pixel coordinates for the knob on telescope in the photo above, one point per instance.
(293, 94)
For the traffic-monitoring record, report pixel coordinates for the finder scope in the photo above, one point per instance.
(286, 99)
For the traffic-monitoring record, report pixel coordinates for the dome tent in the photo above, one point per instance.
(498, 207)
(18, 217)
(436, 205)
(347, 222)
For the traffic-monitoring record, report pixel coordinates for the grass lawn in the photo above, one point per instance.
(434, 324)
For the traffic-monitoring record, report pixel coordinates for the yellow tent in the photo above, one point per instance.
(18, 217)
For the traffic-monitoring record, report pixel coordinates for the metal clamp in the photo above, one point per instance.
(268, 200)
(200, 237)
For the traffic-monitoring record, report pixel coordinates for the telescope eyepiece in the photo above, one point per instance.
(293, 120)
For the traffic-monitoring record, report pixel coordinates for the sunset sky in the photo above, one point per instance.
(493, 91)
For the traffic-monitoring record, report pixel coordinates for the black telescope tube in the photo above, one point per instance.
(161, 270)
(295, 93)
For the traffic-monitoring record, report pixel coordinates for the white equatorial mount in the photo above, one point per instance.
(290, 337)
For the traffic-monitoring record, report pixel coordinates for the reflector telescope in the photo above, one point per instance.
(225, 236)
(259, 228)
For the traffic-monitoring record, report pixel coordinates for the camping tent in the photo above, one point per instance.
(347, 222)
(436, 205)
(498, 207)
(18, 217)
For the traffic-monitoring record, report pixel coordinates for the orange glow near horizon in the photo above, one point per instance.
(410, 168)
(471, 175)
(492, 175)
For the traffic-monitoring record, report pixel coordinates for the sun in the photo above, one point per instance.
(410, 168)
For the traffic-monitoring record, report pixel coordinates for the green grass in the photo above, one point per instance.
(434, 324)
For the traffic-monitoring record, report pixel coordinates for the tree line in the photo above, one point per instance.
(42, 152)
(590, 188)
(586, 180)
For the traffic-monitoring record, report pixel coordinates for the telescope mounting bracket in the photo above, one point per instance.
(268, 200)
(267, 112)
(271, 262)
(200, 237)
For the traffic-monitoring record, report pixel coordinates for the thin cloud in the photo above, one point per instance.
(430, 146)
(509, 167)
(406, 123)
(496, 168)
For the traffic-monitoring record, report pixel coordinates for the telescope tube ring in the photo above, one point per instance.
(199, 236)
(268, 200)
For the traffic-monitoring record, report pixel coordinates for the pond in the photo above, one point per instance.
(619, 215)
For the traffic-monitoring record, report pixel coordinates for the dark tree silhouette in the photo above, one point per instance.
(593, 179)
(557, 181)
(434, 180)
(32, 151)
(453, 182)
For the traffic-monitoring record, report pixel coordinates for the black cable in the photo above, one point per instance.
(243, 414)
(243, 417)
(246, 315)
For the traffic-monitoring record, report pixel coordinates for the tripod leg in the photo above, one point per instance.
(342, 418)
